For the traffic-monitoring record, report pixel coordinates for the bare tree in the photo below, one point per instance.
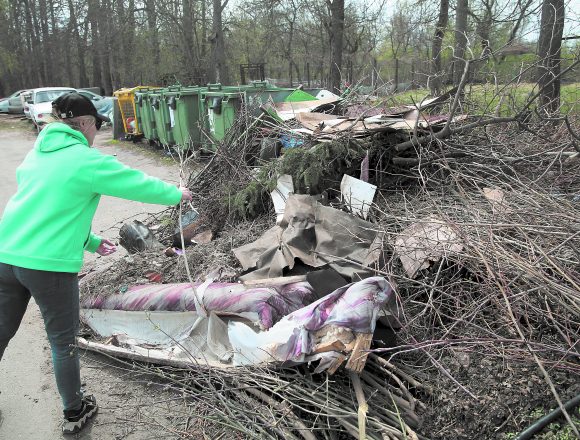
(218, 67)
(523, 6)
(336, 8)
(153, 40)
(442, 21)
(549, 47)
(93, 19)
(461, 14)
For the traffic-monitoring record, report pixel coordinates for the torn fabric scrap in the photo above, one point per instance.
(269, 303)
(354, 307)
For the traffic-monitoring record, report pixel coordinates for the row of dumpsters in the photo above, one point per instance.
(196, 117)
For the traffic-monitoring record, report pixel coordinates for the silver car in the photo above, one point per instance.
(5, 102)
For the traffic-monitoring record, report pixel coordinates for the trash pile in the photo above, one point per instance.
(398, 272)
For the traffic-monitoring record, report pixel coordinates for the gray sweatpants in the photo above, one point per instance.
(57, 296)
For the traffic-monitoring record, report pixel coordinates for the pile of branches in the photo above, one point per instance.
(512, 294)
(292, 403)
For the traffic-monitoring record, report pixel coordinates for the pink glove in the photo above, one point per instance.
(106, 247)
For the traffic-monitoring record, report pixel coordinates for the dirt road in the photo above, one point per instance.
(130, 406)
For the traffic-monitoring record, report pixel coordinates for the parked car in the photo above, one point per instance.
(26, 100)
(5, 102)
(15, 104)
(103, 104)
(40, 103)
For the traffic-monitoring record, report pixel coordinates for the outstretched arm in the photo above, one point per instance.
(112, 178)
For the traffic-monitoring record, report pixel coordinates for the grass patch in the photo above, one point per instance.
(486, 98)
(9, 123)
(559, 430)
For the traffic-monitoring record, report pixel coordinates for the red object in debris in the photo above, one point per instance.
(153, 276)
(130, 124)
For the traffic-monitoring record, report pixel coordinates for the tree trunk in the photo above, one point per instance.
(460, 39)
(442, 21)
(122, 53)
(336, 42)
(106, 45)
(47, 59)
(549, 47)
(37, 48)
(32, 45)
(83, 81)
(153, 74)
(485, 23)
(203, 29)
(188, 44)
(218, 71)
(129, 78)
(92, 16)
(58, 72)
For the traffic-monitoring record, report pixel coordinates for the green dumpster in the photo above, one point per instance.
(221, 109)
(145, 115)
(258, 93)
(162, 117)
(188, 118)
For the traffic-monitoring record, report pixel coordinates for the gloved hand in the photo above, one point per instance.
(106, 247)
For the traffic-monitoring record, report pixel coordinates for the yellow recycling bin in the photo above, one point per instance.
(126, 99)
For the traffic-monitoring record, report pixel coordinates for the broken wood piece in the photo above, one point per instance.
(327, 346)
(336, 364)
(333, 338)
(358, 357)
(278, 281)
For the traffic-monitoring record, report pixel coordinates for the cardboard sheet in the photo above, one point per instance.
(315, 234)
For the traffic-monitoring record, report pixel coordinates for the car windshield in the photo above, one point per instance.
(14, 95)
(49, 95)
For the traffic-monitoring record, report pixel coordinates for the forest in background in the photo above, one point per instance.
(329, 43)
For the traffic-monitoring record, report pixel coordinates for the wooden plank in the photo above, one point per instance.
(279, 281)
(358, 358)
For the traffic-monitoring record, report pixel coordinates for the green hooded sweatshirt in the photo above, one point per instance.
(46, 224)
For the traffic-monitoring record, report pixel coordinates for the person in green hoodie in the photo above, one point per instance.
(46, 227)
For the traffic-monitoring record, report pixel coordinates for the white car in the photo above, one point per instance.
(25, 99)
(40, 103)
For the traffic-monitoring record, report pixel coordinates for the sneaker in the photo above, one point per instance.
(74, 421)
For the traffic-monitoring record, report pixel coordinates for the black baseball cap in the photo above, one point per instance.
(73, 104)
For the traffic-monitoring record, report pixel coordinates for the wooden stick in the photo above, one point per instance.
(362, 405)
